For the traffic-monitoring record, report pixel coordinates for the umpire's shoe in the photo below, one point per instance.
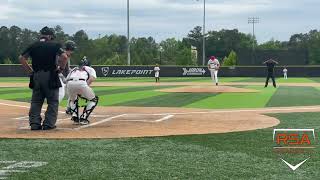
(45, 128)
(35, 127)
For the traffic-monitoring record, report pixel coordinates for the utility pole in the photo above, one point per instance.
(128, 32)
(204, 34)
(253, 21)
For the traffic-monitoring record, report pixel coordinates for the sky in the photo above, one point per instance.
(162, 19)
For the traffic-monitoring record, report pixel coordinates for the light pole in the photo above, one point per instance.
(204, 33)
(128, 32)
(253, 21)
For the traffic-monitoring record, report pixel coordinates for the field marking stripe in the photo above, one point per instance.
(21, 106)
(99, 122)
(58, 128)
(58, 120)
(164, 118)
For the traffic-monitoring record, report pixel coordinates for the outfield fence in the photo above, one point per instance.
(179, 71)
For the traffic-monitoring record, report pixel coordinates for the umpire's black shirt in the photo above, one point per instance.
(43, 54)
(270, 66)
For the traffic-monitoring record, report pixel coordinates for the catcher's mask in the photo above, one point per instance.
(84, 62)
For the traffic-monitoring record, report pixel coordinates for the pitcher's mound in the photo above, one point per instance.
(208, 89)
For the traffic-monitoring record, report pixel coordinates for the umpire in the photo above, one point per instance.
(270, 66)
(44, 80)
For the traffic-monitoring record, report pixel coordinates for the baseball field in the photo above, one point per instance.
(181, 128)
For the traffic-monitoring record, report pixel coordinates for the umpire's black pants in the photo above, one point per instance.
(270, 75)
(40, 92)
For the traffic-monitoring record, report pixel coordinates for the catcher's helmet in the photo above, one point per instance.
(70, 45)
(84, 62)
(47, 31)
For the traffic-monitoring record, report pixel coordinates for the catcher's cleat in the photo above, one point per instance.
(75, 119)
(69, 111)
(84, 121)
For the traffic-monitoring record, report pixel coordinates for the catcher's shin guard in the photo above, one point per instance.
(74, 108)
(89, 108)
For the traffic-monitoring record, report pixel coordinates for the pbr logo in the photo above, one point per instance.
(193, 71)
(296, 145)
(105, 71)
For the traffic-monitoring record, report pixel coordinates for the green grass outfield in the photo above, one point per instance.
(238, 155)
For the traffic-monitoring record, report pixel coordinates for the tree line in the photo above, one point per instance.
(112, 49)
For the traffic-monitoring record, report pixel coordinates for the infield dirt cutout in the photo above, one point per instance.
(117, 122)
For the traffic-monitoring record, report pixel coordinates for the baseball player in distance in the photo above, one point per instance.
(285, 73)
(157, 73)
(78, 85)
(213, 66)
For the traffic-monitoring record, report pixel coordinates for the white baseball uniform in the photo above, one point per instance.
(285, 73)
(62, 89)
(156, 71)
(213, 68)
(63, 80)
(77, 86)
(77, 83)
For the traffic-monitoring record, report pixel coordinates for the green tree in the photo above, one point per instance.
(231, 60)
(7, 61)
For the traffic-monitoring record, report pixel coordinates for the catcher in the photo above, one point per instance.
(78, 85)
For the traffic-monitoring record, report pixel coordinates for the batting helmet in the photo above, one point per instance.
(212, 57)
(70, 45)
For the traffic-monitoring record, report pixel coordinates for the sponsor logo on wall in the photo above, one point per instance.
(107, 71)
(193, 71)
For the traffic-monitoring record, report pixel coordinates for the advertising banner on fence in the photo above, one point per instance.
(180, 71)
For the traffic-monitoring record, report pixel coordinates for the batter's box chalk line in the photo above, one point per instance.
(143, 118)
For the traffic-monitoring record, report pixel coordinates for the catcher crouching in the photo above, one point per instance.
(78, 86)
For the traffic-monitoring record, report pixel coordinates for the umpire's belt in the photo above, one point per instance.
(76, 79)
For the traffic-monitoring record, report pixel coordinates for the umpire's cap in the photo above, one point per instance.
(47, 31)
(84, 62)
(70, 45)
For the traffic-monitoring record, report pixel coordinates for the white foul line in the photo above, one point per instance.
(148, 121)
(99, 122)
(14, 105)
(164, 118)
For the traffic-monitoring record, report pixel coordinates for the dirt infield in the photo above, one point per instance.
(116, 122)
